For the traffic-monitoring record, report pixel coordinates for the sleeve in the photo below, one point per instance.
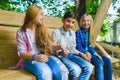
(54, 36)
(92, 50)
(79, 42)
(21, 45)
(73, 49)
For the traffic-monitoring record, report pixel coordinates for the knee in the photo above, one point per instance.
(75, 72)
(44, 74)
(107, 64)
(98, 63)
(107, 61)
(87, 69)
(64, 69)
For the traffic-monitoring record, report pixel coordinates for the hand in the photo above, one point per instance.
(85, 56)
(64, 52)
(99, 56)
(89, 55)
(41, 58)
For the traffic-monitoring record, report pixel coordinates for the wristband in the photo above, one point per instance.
(87, 52)
(33, 56)
(95, 54)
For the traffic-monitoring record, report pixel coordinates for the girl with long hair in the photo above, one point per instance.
(85, 44)
(36, 48)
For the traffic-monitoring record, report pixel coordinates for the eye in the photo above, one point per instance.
(73, 22)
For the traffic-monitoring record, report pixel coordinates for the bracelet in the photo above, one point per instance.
(33, 56)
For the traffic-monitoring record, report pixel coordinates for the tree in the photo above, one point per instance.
(80, 9)
(55, 8)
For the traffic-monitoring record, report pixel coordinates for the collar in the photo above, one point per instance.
(83, 29)
(63, 32)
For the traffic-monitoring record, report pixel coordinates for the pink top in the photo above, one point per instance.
(23, 44)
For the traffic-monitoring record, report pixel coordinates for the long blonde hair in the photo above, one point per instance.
(43, 40)
(91, 34)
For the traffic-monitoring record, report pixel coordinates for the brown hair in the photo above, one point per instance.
(69, 15)
(91, 34)
(43, 40)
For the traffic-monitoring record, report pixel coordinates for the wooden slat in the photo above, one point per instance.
(110, 48)
(11, 18)
(8, 56)
(15, 75)
(8, 49)
(17, 19)
(8, 35)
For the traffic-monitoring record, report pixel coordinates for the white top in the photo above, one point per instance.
(33, 44)
(65, 38)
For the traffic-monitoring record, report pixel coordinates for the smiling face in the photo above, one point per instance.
(86, 22)
(68, 23)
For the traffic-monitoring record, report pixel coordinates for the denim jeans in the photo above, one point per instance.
(79, 68)
(103, 69)
(44, 71)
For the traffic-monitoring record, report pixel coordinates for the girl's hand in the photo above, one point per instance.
(89, 55)
(85, 56)
(99, 56)
(41, 58)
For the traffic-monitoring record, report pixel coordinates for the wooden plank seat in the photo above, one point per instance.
(8, 48)
(21, 74)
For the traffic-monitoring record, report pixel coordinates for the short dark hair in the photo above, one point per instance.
(69, 15)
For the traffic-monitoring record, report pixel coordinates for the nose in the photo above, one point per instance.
(71, 24)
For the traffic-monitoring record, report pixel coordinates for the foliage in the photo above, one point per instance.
(104, 29)
(115, 4)
(54, 8)
(117, 46)
(117, 19)
(91, 7)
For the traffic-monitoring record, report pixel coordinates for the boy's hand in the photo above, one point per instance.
(64, 51)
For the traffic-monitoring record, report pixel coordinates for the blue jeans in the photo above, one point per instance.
(103, 69)
(44, 71)
(79, 68)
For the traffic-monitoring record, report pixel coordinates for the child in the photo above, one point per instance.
(79, 68)
(36, 48)
(103, 67)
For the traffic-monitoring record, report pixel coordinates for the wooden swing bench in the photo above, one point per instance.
(9, 23)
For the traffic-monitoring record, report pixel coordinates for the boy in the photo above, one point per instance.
(79, 68)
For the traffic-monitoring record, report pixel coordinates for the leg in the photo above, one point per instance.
(107, 68)
(39, 69)
(99, 71)
(59, 70)
(74, 69)
(85, 66)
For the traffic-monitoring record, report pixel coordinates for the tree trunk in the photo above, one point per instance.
(100, 16)
(80, 9)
